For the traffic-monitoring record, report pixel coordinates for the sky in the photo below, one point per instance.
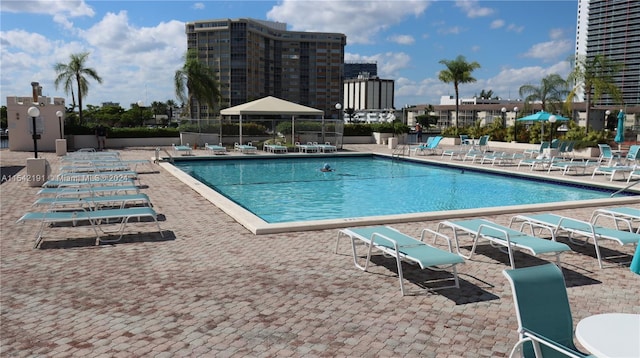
(137, 46)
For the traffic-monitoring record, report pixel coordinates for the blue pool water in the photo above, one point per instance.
(294, 189)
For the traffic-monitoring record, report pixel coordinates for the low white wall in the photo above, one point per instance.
(90, 141)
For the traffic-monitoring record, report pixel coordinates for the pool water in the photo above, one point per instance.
(295, 189)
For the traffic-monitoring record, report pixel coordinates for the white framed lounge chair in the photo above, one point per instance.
(501, 158)
(327, 147)
(534, 152)
(507, 238)
(607, 155)
(94, 217)
(215, 149)
(431, 148)
(275, 148)
(611, 171)
(94, 201)
(245, 148)
(574, 227)
(628, 215)
(181, 149)
(402, 247)
(567, 166)
(89, 190)
(306, 148)
(86, 180)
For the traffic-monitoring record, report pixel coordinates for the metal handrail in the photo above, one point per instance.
(158, 149)
(625, 188)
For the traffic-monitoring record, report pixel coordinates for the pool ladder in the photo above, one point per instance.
(400, 151)
(158, 149)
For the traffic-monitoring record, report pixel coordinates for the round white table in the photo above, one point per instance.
(610, 335)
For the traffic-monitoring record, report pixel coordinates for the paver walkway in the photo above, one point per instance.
(211, 288)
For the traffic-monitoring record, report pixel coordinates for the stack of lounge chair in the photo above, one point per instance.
(92, 189)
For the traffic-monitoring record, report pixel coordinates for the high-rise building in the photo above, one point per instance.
(368, 93)
(353, 69)
(612, 28)
(255, 58)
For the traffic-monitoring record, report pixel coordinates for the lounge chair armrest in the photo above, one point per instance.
(435, 236)
(381, 237)
(537, 339)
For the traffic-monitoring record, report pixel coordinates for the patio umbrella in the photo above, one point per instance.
(542, 116)
(620, 130)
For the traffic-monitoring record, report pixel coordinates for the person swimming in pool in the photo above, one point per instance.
(326, 168)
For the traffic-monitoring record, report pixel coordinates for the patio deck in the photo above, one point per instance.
(212, 288)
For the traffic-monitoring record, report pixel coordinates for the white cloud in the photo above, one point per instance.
(496, 24)
(389, 63)
(549, 50)
(454, 30)
(473, 9)
(70, 8)
(198, 6)
(556, 33)
(361, 21)
(402, 39)
(515, 28)
(30, 43)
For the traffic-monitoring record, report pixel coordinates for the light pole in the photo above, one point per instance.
(515, 124)
(140, 116)
(59, 114)
(34, 112)
(552, 121)
(504, 116)
(606, 118)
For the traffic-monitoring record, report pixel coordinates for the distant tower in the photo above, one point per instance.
(611, 28)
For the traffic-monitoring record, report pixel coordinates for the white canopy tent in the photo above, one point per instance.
(271, 106)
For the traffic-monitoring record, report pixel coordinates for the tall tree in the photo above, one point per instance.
(550, 93)
(595, 77)
(76, 70)
(458, 71)
(196, 81)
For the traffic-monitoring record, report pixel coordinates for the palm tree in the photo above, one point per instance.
(595, 77)
(551, 91)
(77, 71)
(458, 71)
(198, 81)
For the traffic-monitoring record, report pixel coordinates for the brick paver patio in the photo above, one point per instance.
(211, 288)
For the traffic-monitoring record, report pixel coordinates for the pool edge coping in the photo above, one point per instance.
(257, 226)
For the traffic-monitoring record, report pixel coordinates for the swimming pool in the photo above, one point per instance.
(286, 190)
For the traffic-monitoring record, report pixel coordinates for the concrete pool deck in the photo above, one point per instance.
(212, 288)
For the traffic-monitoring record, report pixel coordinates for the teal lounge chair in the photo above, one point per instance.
(94, 217)
(245, 148)
(545, 325)
(91, 190)
(483, 143)
(182, 149)
(87, 180)
(503, 236)
(574, 227)
(607, 155)
(611, 171)
(94, 201)
(534, 152)
(392, 242)
(275, 148)
(628, 215)
(567, 166)
(215, 149)
(430, 148)
(327, 147)
(501, 158)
